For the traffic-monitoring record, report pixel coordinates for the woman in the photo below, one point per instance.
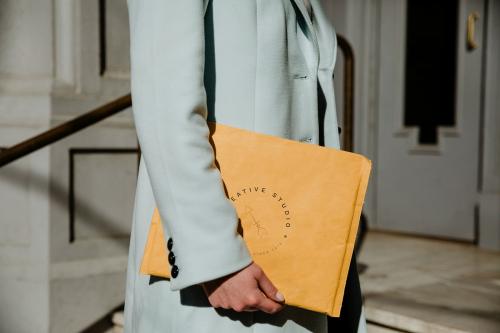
(263, 65)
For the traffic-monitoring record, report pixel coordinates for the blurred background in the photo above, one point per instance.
(418, 92)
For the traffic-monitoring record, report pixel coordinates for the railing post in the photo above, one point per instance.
(348, 119)
(348, 115)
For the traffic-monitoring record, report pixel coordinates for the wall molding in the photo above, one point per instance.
(73, 152)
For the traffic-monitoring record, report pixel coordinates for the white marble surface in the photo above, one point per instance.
(423, 285)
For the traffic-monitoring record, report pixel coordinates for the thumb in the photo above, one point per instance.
(269, 289)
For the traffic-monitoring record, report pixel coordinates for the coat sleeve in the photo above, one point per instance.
(170, 112)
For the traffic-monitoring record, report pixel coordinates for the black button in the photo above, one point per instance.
(175, 271)
(171, 258)
(340, 130)
(170, 244)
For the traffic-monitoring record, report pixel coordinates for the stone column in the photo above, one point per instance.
(65, 211)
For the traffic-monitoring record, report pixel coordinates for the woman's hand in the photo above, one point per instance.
(246, 290)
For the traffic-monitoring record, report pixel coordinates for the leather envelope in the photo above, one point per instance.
(299, 206)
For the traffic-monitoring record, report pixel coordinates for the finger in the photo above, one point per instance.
(267, 305)
(269, 289)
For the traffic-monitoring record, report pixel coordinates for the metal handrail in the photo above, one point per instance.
(68, 128)
(348, 122)
(94, 116)
(348, 115)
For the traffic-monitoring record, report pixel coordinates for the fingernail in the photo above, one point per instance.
(280, 297)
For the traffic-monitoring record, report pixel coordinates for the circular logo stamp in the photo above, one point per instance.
(265, 218)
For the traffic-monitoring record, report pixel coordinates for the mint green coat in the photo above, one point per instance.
(254, 64)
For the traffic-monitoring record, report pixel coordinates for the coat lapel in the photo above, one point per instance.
(311, 32)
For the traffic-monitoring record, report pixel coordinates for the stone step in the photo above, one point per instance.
(419, 285)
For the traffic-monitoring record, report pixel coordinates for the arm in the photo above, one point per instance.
(169, 107)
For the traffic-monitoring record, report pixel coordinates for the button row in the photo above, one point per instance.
(174, 271)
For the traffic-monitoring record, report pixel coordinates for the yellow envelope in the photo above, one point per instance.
(299, 206)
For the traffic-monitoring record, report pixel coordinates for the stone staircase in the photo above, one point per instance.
(424, 285)
(419, 285)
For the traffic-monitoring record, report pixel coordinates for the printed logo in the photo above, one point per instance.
(265, 217)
